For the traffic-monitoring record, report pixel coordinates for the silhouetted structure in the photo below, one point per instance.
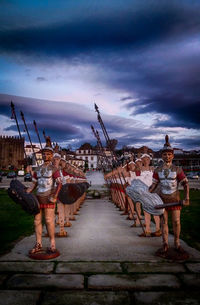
(11, 152)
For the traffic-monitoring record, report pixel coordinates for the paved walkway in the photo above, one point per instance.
(100, 233)
(105, 260)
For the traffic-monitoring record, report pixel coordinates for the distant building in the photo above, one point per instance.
(189, 162)
(132, 152)
(77, 162)
(144, 150)
(11, 152)
(178, 151)
(87, 153)
(67, 154)
(34, 153)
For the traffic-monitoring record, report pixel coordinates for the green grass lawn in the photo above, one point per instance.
(14, 222)
(190, 221)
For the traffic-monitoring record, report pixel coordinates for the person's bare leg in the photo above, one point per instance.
(79, 203)
(147, 218)
(76, 205)
(38, 227)
(138, 207)
(75, 208)
(50, 224)
(84, 195)
(157, 222)
(113, 197)
(67, 215)
(116, 199)
(138, 214)
(131, 208)
(72, 217)
(164, 226)
(123, 200)
(61, 210)
(176, 227)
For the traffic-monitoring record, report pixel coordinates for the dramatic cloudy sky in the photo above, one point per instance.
(138, 60)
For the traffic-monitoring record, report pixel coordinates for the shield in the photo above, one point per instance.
(80, 188)
(69, 193)
(138, 191)
(28, 202)
(84, 186)
(167, 205)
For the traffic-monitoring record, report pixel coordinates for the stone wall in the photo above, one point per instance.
(11, 152)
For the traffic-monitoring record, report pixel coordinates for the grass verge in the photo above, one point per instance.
(14, 222)
(190, 220)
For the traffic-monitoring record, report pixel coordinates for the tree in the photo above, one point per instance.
(69, 147)
(86, 166)
(113, 144)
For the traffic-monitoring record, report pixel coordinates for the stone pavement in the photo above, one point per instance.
(103, 261)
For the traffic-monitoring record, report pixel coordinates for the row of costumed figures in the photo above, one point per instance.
(137, 184)
(60, 188)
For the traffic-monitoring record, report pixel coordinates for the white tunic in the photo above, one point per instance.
(146, 177)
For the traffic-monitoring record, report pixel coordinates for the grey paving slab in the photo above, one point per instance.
(93, 267)
(35, 267)
(100, 234)
(195, 267)
(162, 267)
(32, 281)
(86, 298)
(167, 298)
(16, 297)
(191, 280)
(136, 282)
(2, 278)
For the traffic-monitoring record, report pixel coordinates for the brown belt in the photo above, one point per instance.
(169, 198)
(43, 199)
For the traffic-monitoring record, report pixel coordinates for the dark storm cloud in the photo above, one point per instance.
(57, 134)
(133, 28)
(65, 122)
(150, 54)
(58, 119)
(163, 80)
(189, 142)
(182, 111)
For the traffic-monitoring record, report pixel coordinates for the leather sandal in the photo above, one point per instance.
(146, 234)
(156, 233)
(134, 225)
(180, 250)
(37, 248)
(67, 224)
(51, 250)
(61, 234)
(164, 248)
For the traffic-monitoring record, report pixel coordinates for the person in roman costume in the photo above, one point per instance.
(137, 175)
(44, 179)
(82, 179)
(63, 209)
(121, 180)
(71, 171)
(146, 177)
(129, 174)
(168, 176)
